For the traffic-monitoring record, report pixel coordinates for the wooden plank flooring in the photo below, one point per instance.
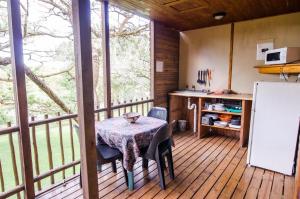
(213, 167)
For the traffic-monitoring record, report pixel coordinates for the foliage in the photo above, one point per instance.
(49, 54)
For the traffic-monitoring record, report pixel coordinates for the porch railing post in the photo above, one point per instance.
(14, 19)
(106, 56)
(85, 96)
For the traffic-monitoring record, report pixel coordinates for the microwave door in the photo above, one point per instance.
(273, 56)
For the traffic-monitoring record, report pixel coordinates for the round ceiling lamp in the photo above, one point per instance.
(219, 15)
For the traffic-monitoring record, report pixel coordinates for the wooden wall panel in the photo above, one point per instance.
(166, 49)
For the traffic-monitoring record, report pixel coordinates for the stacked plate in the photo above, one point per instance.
(234, 126)
(220, 123)
(219, 107)
(235, 123)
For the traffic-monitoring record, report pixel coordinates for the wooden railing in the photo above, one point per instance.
(62, 122)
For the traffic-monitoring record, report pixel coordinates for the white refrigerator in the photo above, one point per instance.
(274, 126)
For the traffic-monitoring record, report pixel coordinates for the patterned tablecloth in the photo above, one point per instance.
(128, 138)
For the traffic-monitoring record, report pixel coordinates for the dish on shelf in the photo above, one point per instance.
(219, 107)
(220, 123)
(221, 127)
(207, 120)
(235, 121)
(213, 116)
(225, 118)
(233, 108)
(234, 126)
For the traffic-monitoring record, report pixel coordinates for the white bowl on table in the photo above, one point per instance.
(131, 117)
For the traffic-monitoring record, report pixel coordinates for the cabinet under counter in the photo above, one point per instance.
(178, 110)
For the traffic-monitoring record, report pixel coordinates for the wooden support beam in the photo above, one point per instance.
(15, 31)
(152, 59)
(245, 123)
(106, 56)
(230, 56)
(85, 96)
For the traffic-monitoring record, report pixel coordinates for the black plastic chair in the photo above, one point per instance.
(159, 148)
(105, 154)
(158, 112)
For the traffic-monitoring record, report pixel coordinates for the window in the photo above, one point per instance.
(130, 55)
(97, 52)
(48, 47)
(8, 143)
(7, 104)
(49, 56)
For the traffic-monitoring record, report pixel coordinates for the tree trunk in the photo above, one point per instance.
(41, 84)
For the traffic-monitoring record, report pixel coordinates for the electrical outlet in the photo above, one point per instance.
(283, 76)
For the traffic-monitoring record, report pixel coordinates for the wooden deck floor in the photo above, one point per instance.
(213, 167)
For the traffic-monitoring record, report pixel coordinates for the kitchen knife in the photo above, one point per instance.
(201, 77)
(205, 77)
(199, 80)
(209, 77)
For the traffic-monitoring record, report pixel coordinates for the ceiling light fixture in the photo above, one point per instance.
(219, 15)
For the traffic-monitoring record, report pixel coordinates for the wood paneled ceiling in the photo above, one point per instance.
(192, 14)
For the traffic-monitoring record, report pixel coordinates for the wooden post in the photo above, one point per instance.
(152, 60)
(15, 31)
(112, 111)
(106, 57)
(49, 148)
(13, 158)
(72, 142)
(230, 56)
(119, 110)
(147, 106)
(35, 153)
(85, 96)
(245, 122)
(98, 114)
(201, 132)
(1, 178)
(61, 144)
(124, 107)
(143, 110)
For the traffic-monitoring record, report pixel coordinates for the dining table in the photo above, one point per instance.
(128, 138)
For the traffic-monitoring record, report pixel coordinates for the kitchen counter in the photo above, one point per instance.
(178, 110)
(186, 93)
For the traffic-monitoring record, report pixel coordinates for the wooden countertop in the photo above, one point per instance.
(203, 95)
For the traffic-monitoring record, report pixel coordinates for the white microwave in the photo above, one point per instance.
(282, 55)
